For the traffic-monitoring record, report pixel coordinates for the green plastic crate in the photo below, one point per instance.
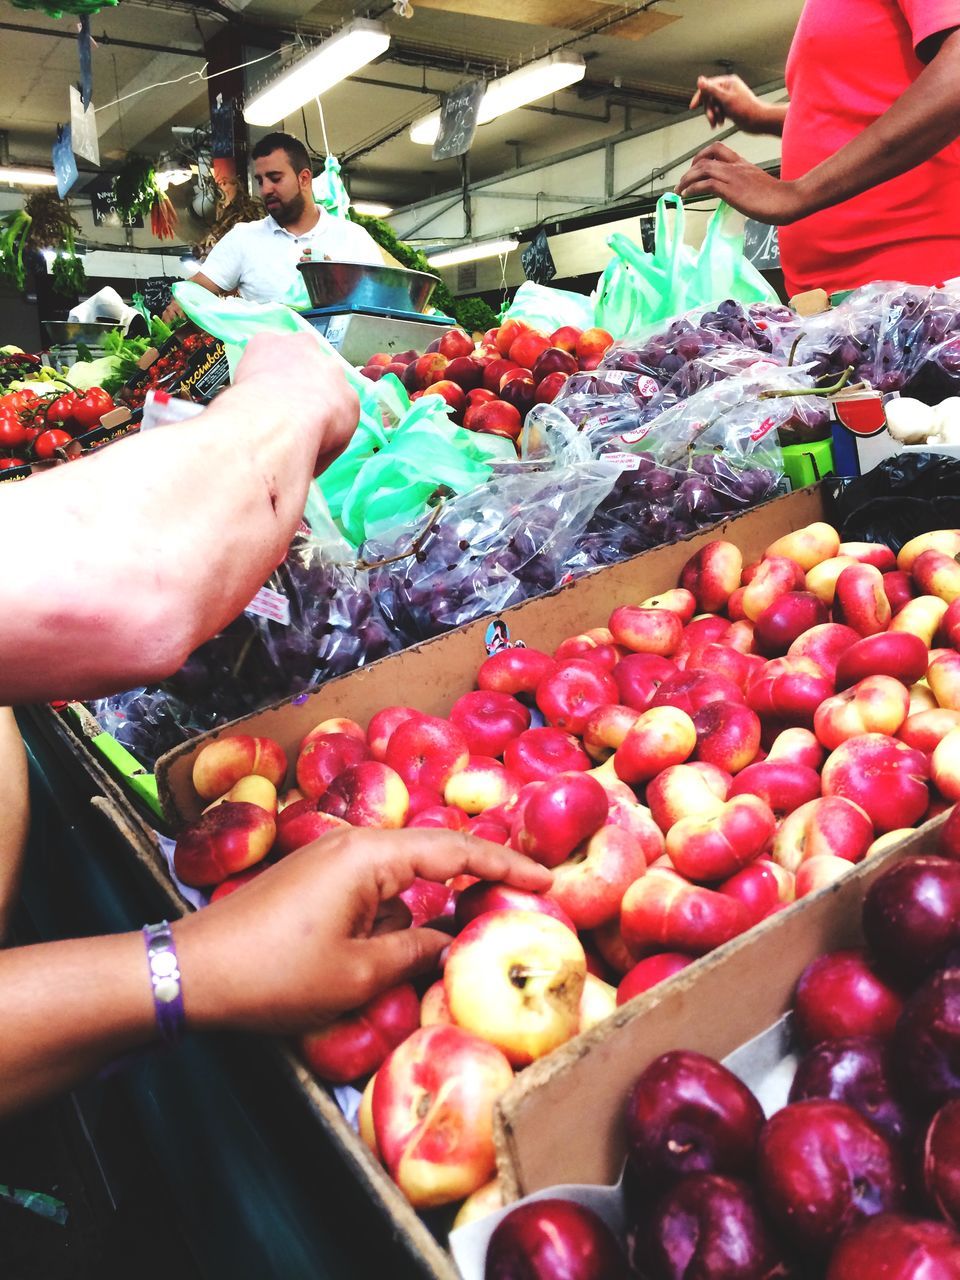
(807, 463)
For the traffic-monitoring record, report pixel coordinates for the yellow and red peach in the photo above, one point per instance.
(515, 979)
(302, 823)
(226, 839)
(369, 794)
(728, 735)
(336, 724)
(657, 631)
(860, 601)
(558, 815)
(824, 646)
(515, 671)
(944, 540)
(713, 574)
(606, 729)
(822, 578)
(226, 760)
(878, 704)
(598, 1002)
(539, 754)
(355, 1044)
(828, 825)
(427, 750)
(434, 1010)
(787, 618)
(780, 784)
(432, 1109)
(482, 783)
(662, 736)
(808, 546)
(797, 746)
(686, 791)
(885, 777)
(937, 574)
(678, 600)
(943, 678)
(875, 553)
(773, 578)
(570, 695)
(709, 849)
(382, 726)
(324, 758)
(590, 884)
(893, 653)
(638, 676)
(925, 729)
(664, 912)
(920, 617)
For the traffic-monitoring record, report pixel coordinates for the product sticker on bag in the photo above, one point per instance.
(619, 458)
(270, 604)
(759, 432)
(634, 437)
(646, 387)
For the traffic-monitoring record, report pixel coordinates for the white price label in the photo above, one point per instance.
(625, 461)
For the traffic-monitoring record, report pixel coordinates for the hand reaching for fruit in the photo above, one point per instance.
(317, 934)
(718, 171)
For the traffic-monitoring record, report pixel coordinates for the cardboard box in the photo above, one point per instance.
(542, 1137)
(562, 1122)
(432, 675)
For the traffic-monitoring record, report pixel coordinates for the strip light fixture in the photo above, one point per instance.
(15, 177)
(526, 84)
(334, 60)
(472, 252)
(372, 208)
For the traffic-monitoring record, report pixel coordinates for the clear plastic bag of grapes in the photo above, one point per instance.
(149, 721)
(896, 337)
(485, 550)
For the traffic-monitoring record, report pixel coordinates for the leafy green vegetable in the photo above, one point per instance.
(471, 313)
(107, 372)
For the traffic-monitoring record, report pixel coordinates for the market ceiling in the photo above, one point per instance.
(642, 59)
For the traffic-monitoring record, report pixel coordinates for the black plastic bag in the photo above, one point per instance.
(902, 497)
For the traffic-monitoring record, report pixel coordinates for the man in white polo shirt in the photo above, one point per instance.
(259, 260)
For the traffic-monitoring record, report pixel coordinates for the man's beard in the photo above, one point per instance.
(288, 211)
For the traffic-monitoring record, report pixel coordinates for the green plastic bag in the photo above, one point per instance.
(399, 455)
(329, 191)
(549, 309)
(639, 289)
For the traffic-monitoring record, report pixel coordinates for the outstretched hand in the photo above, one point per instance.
(726, 98)
(315, 935)
(718, 171)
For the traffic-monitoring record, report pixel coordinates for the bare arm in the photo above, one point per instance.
(15, 811)
(144, 550)
(923, 120)
(70, 1007)
(726, 98)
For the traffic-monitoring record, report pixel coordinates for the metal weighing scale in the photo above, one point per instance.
(359, 332)
(362, 309)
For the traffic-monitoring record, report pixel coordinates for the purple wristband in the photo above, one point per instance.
(165, 980)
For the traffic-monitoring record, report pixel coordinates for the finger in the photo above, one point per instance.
(392, 915)
(695, 100)
(388, 959)
(703, 187)
(694, 175)
(439, 855)
(719, 151)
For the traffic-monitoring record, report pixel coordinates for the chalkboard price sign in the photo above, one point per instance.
(103, 208)
(537, 260)
(458, 120)
(761, 245)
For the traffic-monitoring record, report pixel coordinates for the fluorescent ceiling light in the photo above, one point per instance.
(330, 62)
(471, 252)
(372, 208)
(526, 84)
(27, 177)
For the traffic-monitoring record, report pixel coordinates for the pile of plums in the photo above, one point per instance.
(856, 1178)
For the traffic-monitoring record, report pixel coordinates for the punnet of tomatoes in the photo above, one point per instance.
(36, 428)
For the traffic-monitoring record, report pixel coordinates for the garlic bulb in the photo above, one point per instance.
(909, 421)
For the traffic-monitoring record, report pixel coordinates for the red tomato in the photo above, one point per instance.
(12, 431)
(90, 408)
(48, 442)
(7, 463)
(16, 401)
(61, 410)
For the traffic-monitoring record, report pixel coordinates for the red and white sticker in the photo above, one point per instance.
(759, 432)
(270, 604)
(646, 387)
(635, 436)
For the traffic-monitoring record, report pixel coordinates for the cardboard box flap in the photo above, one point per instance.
(562, 1121)
(432, 675)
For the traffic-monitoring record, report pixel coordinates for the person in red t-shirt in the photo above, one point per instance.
(870, 173)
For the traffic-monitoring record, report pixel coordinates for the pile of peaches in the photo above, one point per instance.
(492, 384)
(688, 770)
